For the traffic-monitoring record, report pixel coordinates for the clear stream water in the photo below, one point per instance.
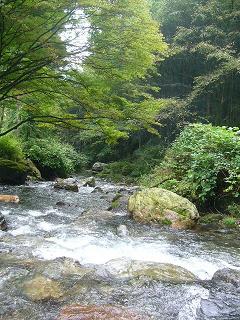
(41, 233)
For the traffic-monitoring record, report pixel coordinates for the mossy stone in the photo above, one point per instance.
(163, 207)
(12, 172)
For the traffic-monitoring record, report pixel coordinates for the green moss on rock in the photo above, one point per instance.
(160, 205)
(12, 172)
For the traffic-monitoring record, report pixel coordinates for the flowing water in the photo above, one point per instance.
(79, 246)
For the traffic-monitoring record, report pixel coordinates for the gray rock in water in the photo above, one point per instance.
(90, 182)
(3, 223)
(62, 204)
(69, 184)
(227, 279)
(98, 167)
(97, 189)
(122, 231)
(224, 297)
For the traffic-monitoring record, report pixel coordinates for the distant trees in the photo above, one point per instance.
(202, 71)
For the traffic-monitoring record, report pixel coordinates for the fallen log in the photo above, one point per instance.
(9, 198)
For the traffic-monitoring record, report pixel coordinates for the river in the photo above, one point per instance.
(77, 244)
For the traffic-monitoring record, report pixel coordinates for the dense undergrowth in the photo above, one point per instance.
(202, 164)
(52, 157)
(11, 148)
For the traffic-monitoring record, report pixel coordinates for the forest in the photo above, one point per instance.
(143, 95)
(167, 70)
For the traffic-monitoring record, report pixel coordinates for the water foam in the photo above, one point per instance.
(95, 250)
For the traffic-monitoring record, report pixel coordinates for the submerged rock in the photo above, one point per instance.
(98, 167)
(3, 223)
(12, 172)
(162, 206)
(41, 288)
(69, 184)
(100, 215)
(79, 312)
(163, 272)
(90, 182)
(122, 231)
(62, 267)
(62, 204)
(97, 189)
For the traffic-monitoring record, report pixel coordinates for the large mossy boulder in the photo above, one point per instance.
(12, 172)
(163, 207)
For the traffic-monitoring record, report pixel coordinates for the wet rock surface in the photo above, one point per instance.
(223, 302)
(9, 198)
(78, 312)
(69, 184)
(163, 207)
(164, 272)
(90, 182)
(3, 223)
(42, 289)
(122, 231)
(98, 167)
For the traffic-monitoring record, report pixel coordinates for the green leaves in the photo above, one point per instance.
(125, 41)
(203, 69)
(203, 164)
(104, 90)
(60, 158)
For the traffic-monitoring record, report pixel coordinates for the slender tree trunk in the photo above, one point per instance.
(2, 114)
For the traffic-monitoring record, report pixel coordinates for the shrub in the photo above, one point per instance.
(54, 158)
(135, 166)
(11, 148)
(203, 164)
(234, 210)
(229, 222)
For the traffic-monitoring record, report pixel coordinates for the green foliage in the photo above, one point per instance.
(11, 148)
(13, 172)
(141, 43)
(203, 164)
(47, 80)
(132, 168)
(202, 69)
(211, 218)
(234, 210)
(230, 222)
(60, 158)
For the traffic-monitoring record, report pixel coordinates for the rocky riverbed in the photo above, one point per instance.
(78, 255)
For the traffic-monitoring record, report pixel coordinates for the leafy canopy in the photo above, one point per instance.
(46, 80)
